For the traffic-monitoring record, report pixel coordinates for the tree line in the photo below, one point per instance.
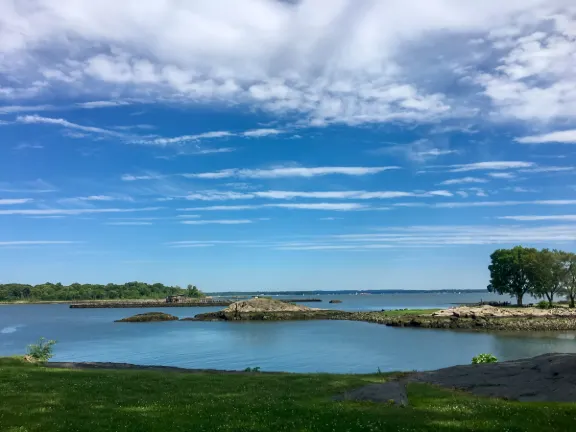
(57, 291)
(545, 274)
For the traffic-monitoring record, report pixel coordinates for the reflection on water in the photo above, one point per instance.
(304, 346)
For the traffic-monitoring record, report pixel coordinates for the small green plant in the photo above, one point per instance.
(543, 304)
(42, 351)
(484, 358)
(254, 369)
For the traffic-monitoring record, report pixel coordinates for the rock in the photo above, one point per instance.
(545, 378)
(335, 301)
(491, 311)
(392, 393)
(150, 317)
(264, 305)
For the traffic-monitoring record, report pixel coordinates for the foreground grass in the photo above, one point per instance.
(40, 399)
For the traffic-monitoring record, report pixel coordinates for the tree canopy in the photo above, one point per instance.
(130, 290)
(541, 273)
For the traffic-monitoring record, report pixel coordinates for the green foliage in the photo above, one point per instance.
(513, 272)
(42, 351)
(254, 369)
(76, 291)
(54, 400)
(543, 304)
(484, 358)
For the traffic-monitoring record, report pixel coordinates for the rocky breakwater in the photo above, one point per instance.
(492, 318)
(260, 309)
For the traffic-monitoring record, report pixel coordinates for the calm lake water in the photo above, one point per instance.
(305, 346)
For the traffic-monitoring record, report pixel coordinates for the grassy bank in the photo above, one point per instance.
(39, 399)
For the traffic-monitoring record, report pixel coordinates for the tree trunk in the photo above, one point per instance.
(550, 298)
(519, 299)
(572, 301)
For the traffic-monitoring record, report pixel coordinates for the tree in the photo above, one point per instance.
(192, 291)
(569, 264)
(550, 274)
(513, 271)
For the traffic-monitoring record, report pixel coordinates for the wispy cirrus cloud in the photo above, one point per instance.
(36, 242)
(210, 195)
(96, 198)
(9, 201)
(558, 137)
(502, 175)
(298, 206)
(36, 119)
(253, 133)
(489, 166)
(537, 218)
(129, 223)
(102, 104)
(13, 109)
(217, 222)
(54, 211)
(464, 180)
(466, 204)
(279, 172)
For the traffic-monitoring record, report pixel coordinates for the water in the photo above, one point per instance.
(304, 346)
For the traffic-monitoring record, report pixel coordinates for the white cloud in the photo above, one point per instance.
(504, 175)
(12, 109)
(54, 211)
(214, 150)
(35, 186)
(546, 169)
(488, 166)
(9, 201)
(571, 218)
(288, 195)
(35, 242)
(102, 104)
(487, 203)
(129, 223)
(25, 146)
(279, 172)
(561, 137)
(464, 180)
(256, 133)
(300, 206)
(218, 222)
(95, 198)
(330, 61)
(36, 119)
(292, 172)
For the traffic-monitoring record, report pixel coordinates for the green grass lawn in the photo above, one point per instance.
(33, 398)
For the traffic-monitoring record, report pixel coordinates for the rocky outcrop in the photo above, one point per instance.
(497, 312)
(150, 317)
(335, 301)
(545, 378)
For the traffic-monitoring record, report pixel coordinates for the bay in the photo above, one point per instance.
(303, 346)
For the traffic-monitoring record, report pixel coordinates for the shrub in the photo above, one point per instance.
(254, 369)
(42, 351)
(543, 304)
(484, 358)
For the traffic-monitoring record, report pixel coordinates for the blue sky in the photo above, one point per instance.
(285, 145)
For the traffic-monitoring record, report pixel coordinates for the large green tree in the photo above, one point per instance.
(551, 273)
(513, 272)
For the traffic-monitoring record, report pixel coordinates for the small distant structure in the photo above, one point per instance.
(176, 299)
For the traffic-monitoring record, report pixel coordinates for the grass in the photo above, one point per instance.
(405, 312)
(35, 398)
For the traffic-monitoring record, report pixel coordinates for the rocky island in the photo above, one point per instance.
(149, 317)
(264, 309)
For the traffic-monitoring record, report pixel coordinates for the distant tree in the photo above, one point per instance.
(550, 274)
(513, 272)
(192, 291)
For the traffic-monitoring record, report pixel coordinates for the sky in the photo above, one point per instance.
(312, 144)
